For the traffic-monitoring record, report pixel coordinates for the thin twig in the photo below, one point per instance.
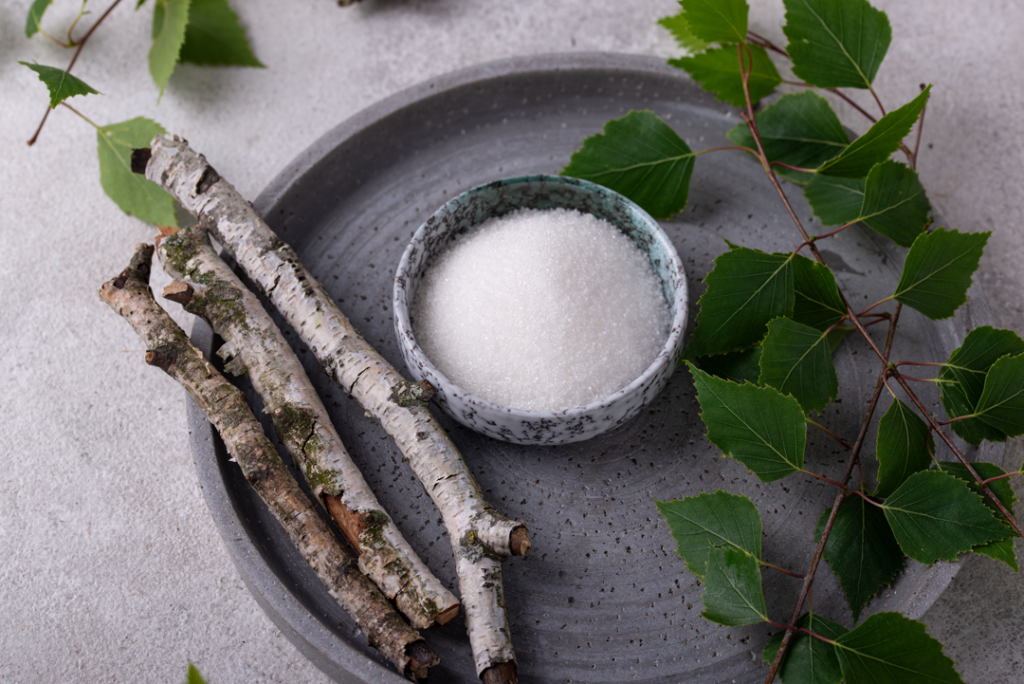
(835, 232)
(765, 43)
(782, 570)
(823, 478)
(829, 433)
(791, 167)
(808, 584)
(74, 58)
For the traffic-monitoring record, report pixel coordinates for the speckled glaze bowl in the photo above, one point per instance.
(484, 202)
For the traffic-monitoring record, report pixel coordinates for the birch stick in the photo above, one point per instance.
(480, 537)
(254, 345)
(171, 351)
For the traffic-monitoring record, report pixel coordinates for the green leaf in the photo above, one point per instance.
(131, 191)
(888, 648)
(816, 300)
(836, 43)
(902, 447)
(193, 675)
(35, 16)
(640, 157)
(712, 519)
(759, 427)
(732, 588)
(718, 71)
(717, 21)
(1001, 405)
(214, 36)
(890, 201)
(963, 377)
(1002, 550)
(881, 140)
(936, 516)
(741, 366)
(836, 337)
(800, 130)
(170, 17)
(937, 271)
(808, 660)
(746, 288)
(861, 550)
(1003, 489)
(680, 29)
(796, 360)
(61, 84)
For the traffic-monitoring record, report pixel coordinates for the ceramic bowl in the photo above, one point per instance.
(484, 202)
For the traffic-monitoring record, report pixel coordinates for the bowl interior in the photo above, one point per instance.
(498, 198)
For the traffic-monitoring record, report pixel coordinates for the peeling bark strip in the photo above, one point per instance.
(170, 349)
(480, 536)
(253, 344)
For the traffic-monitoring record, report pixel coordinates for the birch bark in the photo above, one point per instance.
(480, 537)
(170, 350)
(254, 345)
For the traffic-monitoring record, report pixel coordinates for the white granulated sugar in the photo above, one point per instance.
(541, 310)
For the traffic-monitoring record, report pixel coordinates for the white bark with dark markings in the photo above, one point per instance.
(480, 537)
(170, 350)
(254, 345)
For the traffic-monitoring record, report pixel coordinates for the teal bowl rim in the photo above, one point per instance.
(670, 351)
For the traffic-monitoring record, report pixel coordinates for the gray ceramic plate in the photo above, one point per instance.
(602, 596)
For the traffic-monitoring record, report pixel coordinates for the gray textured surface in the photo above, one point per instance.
(113, 570)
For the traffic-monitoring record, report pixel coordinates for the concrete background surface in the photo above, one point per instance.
(111, 569)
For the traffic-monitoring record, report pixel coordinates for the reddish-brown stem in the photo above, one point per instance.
(765, 43)
(841, 95)
(823, 478)
(878, 303)
(866, 497)
(727, 147)
(808, 583)
(782, 570)
(951, 420)
(956, 452)
(1000, 477)
(877, 101)
(791, 167)
(74, 58)
(834, 232)
(877, 320)
(830, 434)
(56, 40)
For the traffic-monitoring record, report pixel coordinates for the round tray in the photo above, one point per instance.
(602, 595)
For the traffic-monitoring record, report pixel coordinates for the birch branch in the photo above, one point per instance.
(480, 537)
(254, 345)
(171, 351)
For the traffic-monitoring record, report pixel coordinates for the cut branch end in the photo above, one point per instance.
(179, 292)
(519, 541)
(421, 659)
(140, 158)
(500, 673)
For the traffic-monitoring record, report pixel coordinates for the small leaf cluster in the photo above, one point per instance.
(760, 353)
(204, 32)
